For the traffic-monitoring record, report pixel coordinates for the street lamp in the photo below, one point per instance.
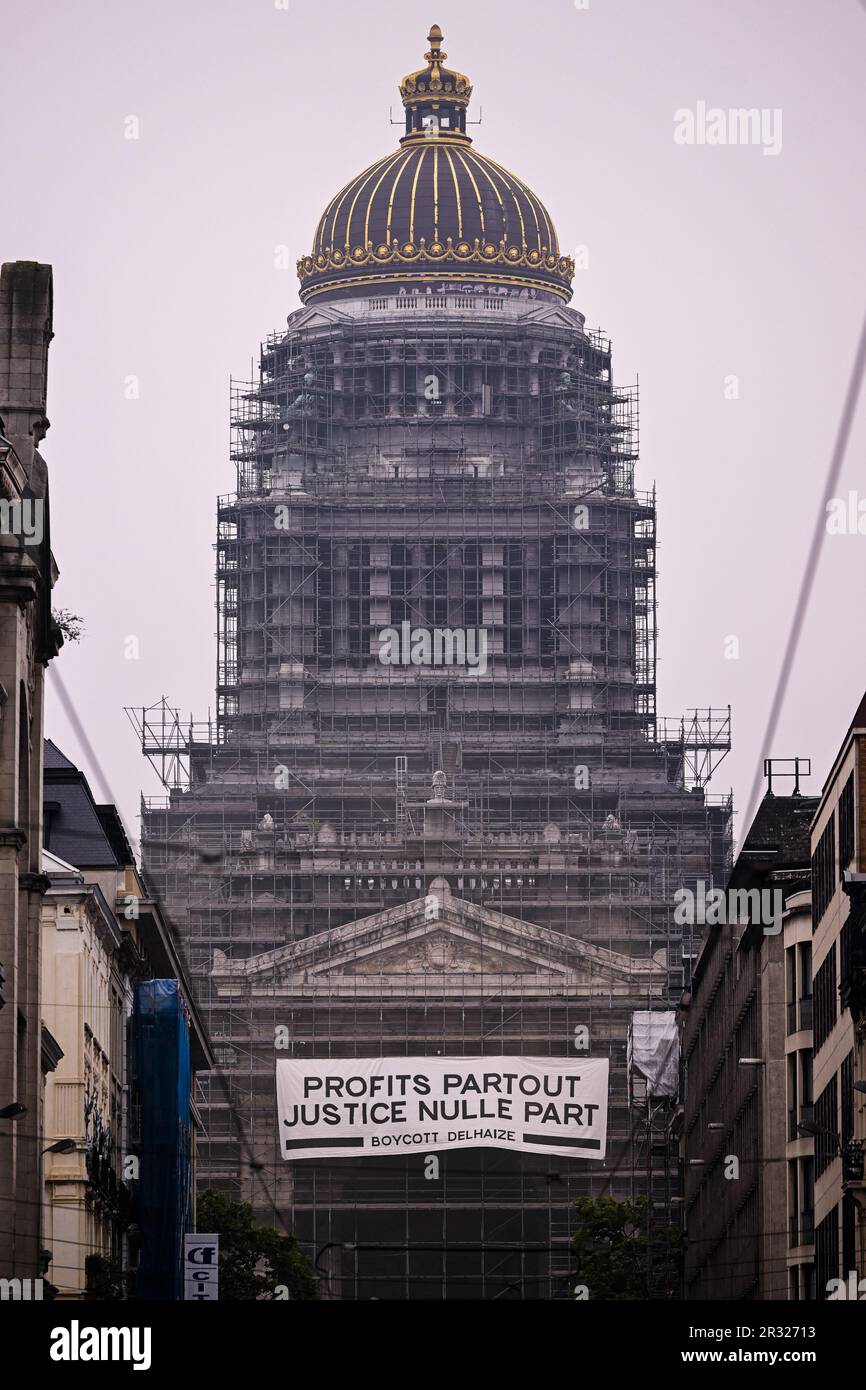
(13, 1111)
(61, 1146)
(808, 1127)
(852, 1162)
(851, 1153)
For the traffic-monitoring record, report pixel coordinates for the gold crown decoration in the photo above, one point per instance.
(560, 267)
(436, 81)
(390, 225)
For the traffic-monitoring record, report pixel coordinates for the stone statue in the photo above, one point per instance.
(304, 403)
(566, 385)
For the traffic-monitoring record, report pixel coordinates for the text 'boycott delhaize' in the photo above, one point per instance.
(353, 1107)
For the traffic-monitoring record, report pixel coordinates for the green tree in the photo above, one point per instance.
(620, 1255)
(254, 1262)
(103, 1279)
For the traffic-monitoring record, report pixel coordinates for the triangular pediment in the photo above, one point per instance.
(438, 940)
(444, 950)
(555, 316)
(316, 318)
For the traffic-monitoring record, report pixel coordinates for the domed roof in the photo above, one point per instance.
(434, 210)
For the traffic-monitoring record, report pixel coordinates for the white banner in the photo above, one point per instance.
(201, 1267)
(384, 1105)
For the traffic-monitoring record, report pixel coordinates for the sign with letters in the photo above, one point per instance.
(365, 1107)
(201, 1255)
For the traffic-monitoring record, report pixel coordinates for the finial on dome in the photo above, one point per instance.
(436, 98)
(435, 57)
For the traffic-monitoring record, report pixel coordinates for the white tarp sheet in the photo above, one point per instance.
(654, 1050)
(364, 1107)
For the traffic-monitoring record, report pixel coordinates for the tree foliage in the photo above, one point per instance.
(254, 1261)
(69, 623)
(619, 1255)
(104, 1279)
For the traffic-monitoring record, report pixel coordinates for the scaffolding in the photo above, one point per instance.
(437, 463)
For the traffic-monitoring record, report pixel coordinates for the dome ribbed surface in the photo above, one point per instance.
(434, 206)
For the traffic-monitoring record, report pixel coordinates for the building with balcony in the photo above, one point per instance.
(746, 1072)
(800, 1096)
(839, 1025)
(106, 950)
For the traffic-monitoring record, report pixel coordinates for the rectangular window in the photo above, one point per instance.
(823, 872)
(852, 962)
(846, 1081)
(805, 949)
(849, 1227)
(806, 1093)
(827, 1252)
(846, 826)
(825, 999)
(791, 987)
(793, 1098)
(793, 1204)
(827, 1122)
(807, 1201)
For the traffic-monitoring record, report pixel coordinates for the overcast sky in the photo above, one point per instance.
(705, 263)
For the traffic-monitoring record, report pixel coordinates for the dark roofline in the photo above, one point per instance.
(859, 720)
(156, 935)
(770, 857)
(109, 818)
(773, 841)
(59, 759)
(857, 725)
(66, 774)
(154, 928)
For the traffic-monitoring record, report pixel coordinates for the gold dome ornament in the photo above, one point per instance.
(435, 80)
(435, 209)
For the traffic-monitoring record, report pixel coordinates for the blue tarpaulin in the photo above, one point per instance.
(161, 1047)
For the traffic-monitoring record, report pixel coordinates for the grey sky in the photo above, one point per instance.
(704, 262)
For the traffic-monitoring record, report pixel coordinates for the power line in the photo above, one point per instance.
(837, 457)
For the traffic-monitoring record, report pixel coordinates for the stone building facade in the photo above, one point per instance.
(103, 939)
(28, 640)
(735, 1124)
(436, 665)
(839, 1009)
